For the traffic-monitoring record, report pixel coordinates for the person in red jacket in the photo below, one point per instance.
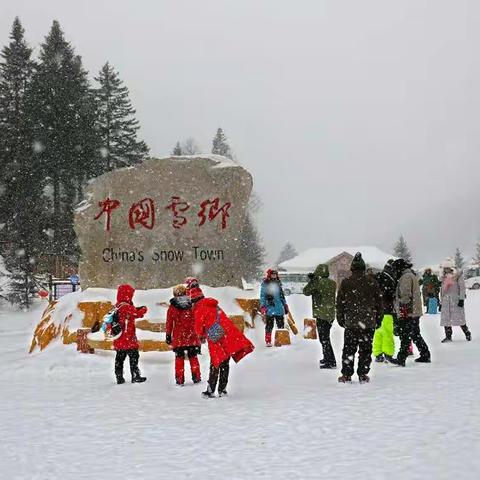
(181, 334)
(224, 340)
(127, 343)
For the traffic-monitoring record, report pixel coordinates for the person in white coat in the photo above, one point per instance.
(452, 299)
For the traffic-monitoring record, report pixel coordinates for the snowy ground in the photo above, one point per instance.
(62, 417)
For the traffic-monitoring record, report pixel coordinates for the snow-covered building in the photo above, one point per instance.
(337, 258)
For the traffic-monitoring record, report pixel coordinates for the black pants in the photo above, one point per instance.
(191, 351)
(353, 339)
(270, 319)
(223, 370)
(409, 330)
(120, 359)
(323, 328)
(449, 330)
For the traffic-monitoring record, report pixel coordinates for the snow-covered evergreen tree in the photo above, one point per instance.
(459, 261)
(23, 206)
(287, 253)
(177, 151)
(476, 256)
(117, 123)
(62, 109)
(401, 250)
(220, 144)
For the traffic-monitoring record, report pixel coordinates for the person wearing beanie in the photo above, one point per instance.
(359, 312)
(322, 289)
(180, 334)
(453, 302)
(409, 310)
(224, 341)
(273, 305)
(383, 340)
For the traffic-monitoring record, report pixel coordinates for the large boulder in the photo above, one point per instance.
(153, 224)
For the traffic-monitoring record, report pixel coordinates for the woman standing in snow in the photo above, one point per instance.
(180, 334)
(452, 302)
(273, 304)
(224, 339)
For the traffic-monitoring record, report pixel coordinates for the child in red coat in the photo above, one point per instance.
(181, 334)
(127, 343)
(224, 340)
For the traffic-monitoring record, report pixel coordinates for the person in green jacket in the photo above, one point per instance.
(322, 290)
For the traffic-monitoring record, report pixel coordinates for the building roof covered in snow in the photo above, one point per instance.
(308, 260)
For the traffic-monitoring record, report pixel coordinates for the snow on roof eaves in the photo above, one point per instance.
(308, 260)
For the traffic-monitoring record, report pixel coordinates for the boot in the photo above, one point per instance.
(468, 336)
(208, 393)
(195, 368)
(388, 358)
(380, 358)
(223, 393)
(322, 361)
(396, 361)
(363, 378)
(328, 366)
(447, 340)
(268, 339)
(448, 334)
(120, 379)
(179, 370)
(344, 379)
(421, 359)
(137, 378)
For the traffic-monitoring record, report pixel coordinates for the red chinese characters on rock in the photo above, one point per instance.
(107, 206)
(142, 213)
(213, 211)
(177, 207)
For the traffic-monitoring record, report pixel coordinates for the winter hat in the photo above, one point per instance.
(270, 272)
(179, 290)
(358, 263)
(191, 282)
(195, 294)
(448, 263)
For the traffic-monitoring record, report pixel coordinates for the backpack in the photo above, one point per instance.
(216, 332)
(111, 323)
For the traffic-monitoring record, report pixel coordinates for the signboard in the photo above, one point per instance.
(156, 223)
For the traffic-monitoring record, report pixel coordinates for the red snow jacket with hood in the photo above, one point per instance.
(127, 314)
(180, 323)
(233, 343)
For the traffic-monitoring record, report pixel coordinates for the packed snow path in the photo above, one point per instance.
(62, 416)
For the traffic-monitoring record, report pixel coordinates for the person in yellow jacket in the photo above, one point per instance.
(383, 340)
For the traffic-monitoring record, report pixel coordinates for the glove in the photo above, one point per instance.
(168, 339)
(461, 303)
(311, 276)
(439, 307)
(285, 307)
(404, 311)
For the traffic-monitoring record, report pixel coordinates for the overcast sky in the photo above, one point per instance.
(359, 120)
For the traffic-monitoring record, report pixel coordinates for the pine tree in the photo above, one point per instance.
(61, 109)
(401, 250)
(251, 254)
(117, 122)
(459, 261)
(23, 204)
(177, 151)
(220, 145)
(286, 253)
